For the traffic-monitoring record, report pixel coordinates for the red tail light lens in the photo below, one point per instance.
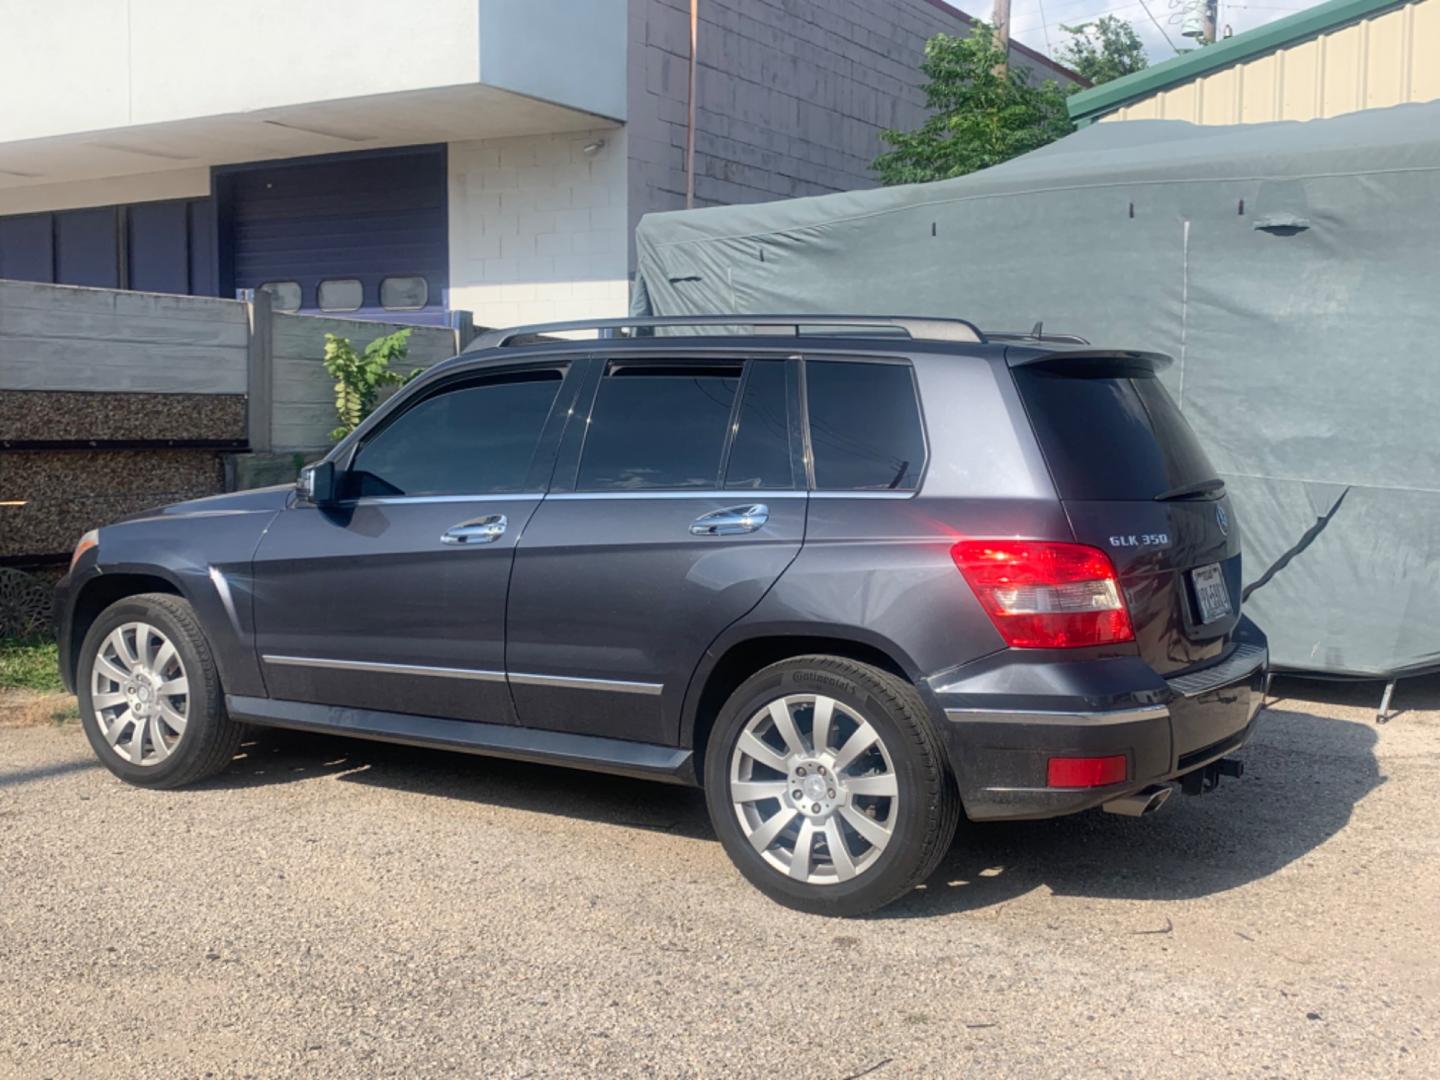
(1081, 772)
(1046, 595)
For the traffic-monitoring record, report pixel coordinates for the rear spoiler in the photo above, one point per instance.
(1087, 361)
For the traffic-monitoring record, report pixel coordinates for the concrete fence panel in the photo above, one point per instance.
(64, 337)
(304, 393)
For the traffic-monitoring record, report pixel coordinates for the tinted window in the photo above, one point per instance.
(1114, 437)
(340, 294)
(864, 426)
(473, 440)
(658, 427)
(760, 450)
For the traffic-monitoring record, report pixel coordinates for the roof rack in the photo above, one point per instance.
(917, 329)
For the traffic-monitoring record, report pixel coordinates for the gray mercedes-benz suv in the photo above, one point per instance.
(854, 576)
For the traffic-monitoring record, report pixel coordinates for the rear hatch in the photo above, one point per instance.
(1135, 483)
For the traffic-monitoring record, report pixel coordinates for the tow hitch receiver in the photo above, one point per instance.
(1207, 777)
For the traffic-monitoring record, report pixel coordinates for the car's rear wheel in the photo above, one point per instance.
(150, 698)
(828, 786)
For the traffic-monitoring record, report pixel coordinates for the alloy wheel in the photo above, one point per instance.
(140, 693)
(814, 789)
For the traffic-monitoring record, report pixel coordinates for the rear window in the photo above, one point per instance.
(1111, 437)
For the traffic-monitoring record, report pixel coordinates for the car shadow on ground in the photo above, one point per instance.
(1305, 774)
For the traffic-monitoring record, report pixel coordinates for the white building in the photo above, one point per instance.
(369, 156)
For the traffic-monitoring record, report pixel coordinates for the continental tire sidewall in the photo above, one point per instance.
(921, 790)
(172, 617)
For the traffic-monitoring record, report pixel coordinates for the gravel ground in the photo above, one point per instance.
(337, 908)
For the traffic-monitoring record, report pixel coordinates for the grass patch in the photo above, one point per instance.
(30, 664)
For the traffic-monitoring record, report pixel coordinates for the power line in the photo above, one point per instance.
(1158, 26)
(1045, 26)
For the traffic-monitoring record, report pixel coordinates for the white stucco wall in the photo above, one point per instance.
(538, 228)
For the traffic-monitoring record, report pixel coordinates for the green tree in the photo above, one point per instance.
(1103, 49)
(983, 113)
(359, 377)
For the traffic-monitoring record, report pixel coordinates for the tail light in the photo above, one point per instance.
(1046, 595)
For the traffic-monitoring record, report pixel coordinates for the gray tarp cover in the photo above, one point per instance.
(1292, 270)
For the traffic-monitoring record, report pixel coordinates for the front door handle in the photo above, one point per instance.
(481, 530)
(731, 521)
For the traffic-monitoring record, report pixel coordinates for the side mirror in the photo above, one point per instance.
(317, 483)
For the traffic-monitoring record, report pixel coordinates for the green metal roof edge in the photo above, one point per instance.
(1303, 24)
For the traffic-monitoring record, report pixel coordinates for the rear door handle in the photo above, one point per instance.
(481, 530)
(731, 521)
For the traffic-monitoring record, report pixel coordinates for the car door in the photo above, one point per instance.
(671, 517)
(394, 599)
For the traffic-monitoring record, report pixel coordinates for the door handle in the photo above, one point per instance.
(731, 521)
(481, 530)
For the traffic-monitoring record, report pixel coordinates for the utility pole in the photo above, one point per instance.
(1002, 34)
(1208, 22)
(690, 109)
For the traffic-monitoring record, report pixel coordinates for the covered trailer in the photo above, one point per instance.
(1291, 269)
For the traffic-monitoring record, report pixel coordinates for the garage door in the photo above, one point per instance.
(358, 235)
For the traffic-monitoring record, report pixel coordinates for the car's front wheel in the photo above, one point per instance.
(828, 786)
(150, 698)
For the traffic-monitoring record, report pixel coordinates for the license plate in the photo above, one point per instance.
(1210, 592)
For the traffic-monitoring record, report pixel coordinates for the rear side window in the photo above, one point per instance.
(1110, 437)
(865, 430)
(658, 427)
(760, 449)
(476, 439)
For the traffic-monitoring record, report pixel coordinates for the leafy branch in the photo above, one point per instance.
(360, 377)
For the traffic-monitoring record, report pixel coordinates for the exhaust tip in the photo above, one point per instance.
(1139, 803)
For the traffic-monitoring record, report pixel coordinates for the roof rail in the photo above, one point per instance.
(917, 329)
(1036, 333)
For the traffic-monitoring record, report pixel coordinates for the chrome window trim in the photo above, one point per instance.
(1049, 716)
(386, 669)
(391, 500)
(832, 493)
(737, 495)
(568, 682)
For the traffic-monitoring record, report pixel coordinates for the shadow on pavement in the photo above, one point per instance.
(44, 772)
(1304, 776)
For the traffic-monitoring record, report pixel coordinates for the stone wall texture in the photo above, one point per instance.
(51, 415)
(52, 497)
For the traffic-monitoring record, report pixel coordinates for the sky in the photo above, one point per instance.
(1032, 20)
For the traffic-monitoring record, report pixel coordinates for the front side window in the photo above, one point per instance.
(658, 426)
(865, 431)
(340, 294)
(474, 439)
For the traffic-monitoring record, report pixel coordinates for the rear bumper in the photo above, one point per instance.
(1000, 753)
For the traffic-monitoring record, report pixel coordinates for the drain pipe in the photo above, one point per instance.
(690, 121)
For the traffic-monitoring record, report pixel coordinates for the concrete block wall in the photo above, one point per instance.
(791, 95)
(538, 227)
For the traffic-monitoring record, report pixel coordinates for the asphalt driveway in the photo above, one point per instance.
(338, 908)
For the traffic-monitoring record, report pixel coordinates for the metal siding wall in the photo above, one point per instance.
(87, 248)
(27, 248)
(1374, 63)
(159, 247)
(352, 216)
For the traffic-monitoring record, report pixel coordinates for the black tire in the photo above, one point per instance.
(929, 804)
(210, 739)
